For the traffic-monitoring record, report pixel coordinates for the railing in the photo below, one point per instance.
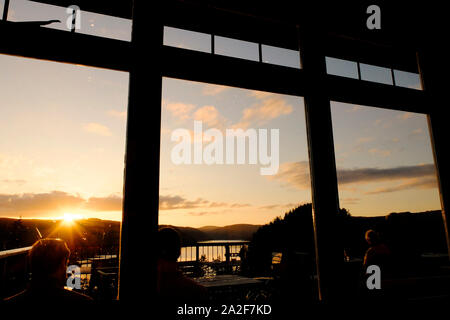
(211, 257)
(99, 269)
(99, 266)
(14, 270)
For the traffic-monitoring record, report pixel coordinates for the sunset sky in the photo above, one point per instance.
(62, 144)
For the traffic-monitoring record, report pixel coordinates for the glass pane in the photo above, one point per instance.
(62, 145)
(390, 200)
(186, 39)
(2, 5)
(243, 218)
(407, 79)
(24, 10)
(236, 48)
(101, 25)
(343, 68)
(375, 73)
(280, 56)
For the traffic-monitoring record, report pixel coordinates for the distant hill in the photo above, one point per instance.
(231, 232)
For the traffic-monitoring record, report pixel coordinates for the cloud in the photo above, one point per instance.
(117, 114)
(32, 202)
(360, 175)
(296, 174)
(380, 152)
(172, 202)
(416, 183)
(260, 94)
(180, 110)
(405, 115)
(354, 108)
(46, 203)
(211, 116)
(271, 107)
(97, 128)
(348, 201)
(16, 181)
(365, 139)
(212, 89)
(110, 203)
(279, 206)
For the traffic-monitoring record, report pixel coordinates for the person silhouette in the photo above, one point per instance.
(377, 253)
(172, 284)
(48, 259)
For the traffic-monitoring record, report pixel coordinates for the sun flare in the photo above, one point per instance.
(69, 218)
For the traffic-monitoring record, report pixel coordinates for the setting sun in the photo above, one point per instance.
(70, 217)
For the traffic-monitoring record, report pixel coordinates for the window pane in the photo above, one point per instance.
(187, 39)
(24, 10)
(62, 146)
(236, 48)
(343, 68)
(226, 197)
(280, 56)
(2, 5)
(101, 25)
(387, 183)
(375, 73)
(407, 79)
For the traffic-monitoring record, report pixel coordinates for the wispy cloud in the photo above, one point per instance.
(380, 152)
(211, 117)
(289, 205)
(179, 110)
(359, 175)
(173, 202)
(212, 89)
(14, 181)
(97, 128)
(117, 114)
(416, 183)
(270, 107)
(296, 174)
(55, 201)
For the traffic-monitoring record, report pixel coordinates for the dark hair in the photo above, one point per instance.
(169, 243)
(47, 256)
(372, 236)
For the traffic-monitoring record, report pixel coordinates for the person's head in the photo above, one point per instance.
(372, 237)
(169, 244)
(48, 261)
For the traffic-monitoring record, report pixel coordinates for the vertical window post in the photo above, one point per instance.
(327, 236)
(138, 245)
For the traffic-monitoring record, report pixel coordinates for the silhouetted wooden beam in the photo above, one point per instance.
(325, 198)
(33, 41)
(438, 125)
(141, 186)
(204, 67)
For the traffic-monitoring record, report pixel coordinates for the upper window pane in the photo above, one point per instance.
(23, 10)
(186, 39)
(89, 23)
(101, 25)
(236, 48)
(343, 68)
(280, 56)
(376, 74)
(2, 5)
(407, 79)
